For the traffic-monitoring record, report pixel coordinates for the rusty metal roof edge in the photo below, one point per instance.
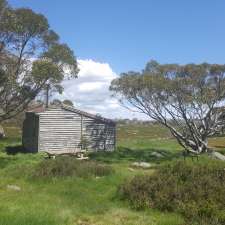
(103, 119)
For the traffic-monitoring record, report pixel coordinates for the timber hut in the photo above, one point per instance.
(66, 129)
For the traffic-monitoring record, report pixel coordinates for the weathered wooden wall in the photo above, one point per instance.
(101, 136)
(59, 130)
(30, 132)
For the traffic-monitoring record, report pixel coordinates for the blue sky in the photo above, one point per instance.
(125, 34)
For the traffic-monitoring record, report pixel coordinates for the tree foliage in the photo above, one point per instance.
(68, 102)
(31, 58)
(57, 102)
(187, 99)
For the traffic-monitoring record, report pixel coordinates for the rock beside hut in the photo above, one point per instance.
(2, 133)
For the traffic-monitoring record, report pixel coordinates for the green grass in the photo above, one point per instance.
(82, 201)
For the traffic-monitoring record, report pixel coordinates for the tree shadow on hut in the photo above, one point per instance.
(101, 135)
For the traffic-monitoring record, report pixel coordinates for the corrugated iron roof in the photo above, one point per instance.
(72, 109)
(37, 109)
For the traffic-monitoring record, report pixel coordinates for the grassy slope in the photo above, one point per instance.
(90, 201)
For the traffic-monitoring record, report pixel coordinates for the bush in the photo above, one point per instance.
(197, 191)
(67, 166)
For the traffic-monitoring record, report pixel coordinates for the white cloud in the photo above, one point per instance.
(90, 91)
(91, 86)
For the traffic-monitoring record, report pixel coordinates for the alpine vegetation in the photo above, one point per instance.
(186, 99)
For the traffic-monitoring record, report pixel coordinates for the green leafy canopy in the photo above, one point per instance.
(31, 57)
(187, 99)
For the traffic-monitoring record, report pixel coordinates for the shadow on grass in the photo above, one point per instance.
(13, 150)
(127, 154)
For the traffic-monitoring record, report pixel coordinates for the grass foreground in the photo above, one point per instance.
(76, 200)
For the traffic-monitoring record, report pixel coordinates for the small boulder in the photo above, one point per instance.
(2, 133)
(143, 165)
(218, 155)
(157, 154)
(13, 187)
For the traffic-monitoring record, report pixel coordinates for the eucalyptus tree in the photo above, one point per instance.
(187, 99)
(58, 102)
(68, 102)
(31, 59)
